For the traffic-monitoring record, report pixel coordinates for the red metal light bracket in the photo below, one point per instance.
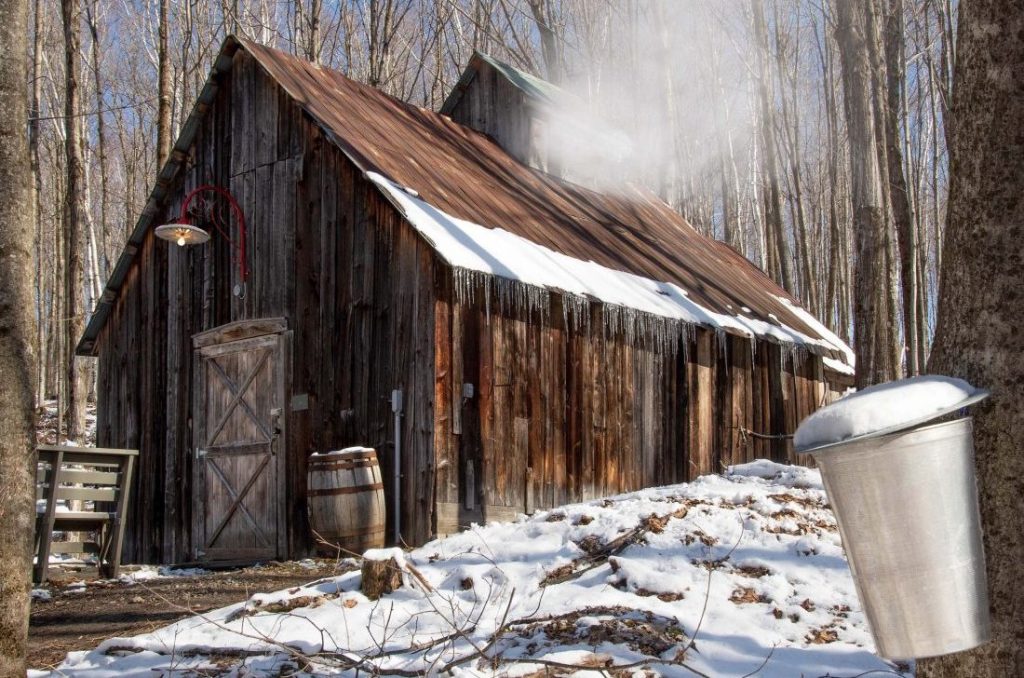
(236, 210)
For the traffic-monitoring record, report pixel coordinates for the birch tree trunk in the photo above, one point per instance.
(981, 303)
(874, 334)
(75, 219)
(17, 445)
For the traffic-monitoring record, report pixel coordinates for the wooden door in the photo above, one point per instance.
(239, 470)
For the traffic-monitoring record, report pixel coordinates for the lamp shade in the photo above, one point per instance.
(183, 234)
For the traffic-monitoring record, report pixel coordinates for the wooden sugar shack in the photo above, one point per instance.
(517, 341)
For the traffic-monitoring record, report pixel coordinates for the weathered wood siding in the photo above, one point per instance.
(563, 414)
(327, 253)
(554, 413)
(493, 105)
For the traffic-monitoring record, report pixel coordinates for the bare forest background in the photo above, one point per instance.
(740, 113)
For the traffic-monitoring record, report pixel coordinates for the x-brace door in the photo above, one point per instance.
(238, 464)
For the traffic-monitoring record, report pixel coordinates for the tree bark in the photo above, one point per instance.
(17, 448)
(313, 32)
(790, 125)
(775, 236)
(548, 41)
(103, 232)
(874, 334)
(163, 119)
(899, 194)
(75, 218)
(380, 577)
(37, 192)
(981, 303)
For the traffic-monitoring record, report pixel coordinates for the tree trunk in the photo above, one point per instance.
(17, 445)
(313, 32)
(74, 222)
(548, 42)
(873, 18)
(874, 334)
(775, 235)
(163, 117)
(103, 232)
(791, 133)
(37, 192)
(981, 303)
(902, 211)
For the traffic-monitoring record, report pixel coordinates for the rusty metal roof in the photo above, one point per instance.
(466, 174)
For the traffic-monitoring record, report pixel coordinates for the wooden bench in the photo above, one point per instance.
(97, 476)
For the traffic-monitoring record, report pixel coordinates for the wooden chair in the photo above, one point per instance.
(97, 476)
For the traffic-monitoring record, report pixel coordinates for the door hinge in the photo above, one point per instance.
(200, 453)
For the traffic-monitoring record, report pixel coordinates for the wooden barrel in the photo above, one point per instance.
(345, 498)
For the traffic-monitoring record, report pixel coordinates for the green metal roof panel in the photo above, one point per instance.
(531, 84)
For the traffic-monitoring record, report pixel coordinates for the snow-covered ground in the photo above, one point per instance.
(732, 575)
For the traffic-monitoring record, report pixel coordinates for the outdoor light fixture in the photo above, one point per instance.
(184, 233)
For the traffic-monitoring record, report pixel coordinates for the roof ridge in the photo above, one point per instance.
(466, 174)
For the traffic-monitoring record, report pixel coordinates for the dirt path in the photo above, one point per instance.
(81, 620)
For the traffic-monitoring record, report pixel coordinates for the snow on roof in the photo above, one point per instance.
(495, 251)
(462, 172)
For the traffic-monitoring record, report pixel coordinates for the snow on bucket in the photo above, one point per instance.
(904, 494)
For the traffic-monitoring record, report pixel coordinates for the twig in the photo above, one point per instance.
(86, 114)
(482, 652)
(762, 664)
(647, 661)
(888, 672)
(744, 432)
(707, 592)
(593, 561)
(419, 577)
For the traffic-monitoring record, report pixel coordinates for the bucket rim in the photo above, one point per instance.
(976, 397)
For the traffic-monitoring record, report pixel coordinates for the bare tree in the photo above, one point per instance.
(902, 210)
(75, 220)
(775, 235)
(543, 16)
(17, 462)
(981, 303)
(874, 334)
(769, 171)
(37, 190)
(93, 20)
(163, 124)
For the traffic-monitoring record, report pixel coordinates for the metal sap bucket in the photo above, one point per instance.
(907, 507)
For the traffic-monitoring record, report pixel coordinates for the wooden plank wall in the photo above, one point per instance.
(494, 106)
(130, 389)
(563, 414)
(557, 413)
(326, 252)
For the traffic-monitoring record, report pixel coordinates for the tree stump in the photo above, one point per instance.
(381, 574)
